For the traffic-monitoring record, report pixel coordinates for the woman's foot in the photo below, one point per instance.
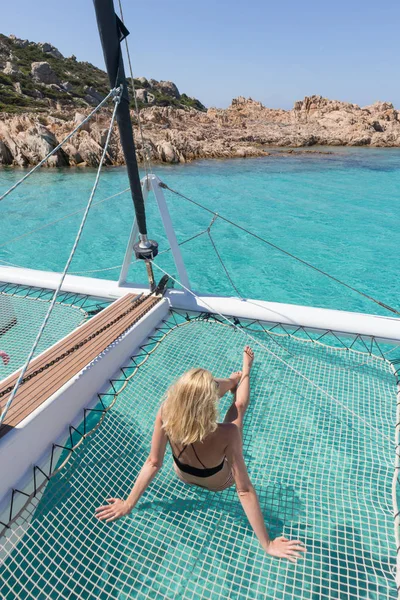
(248, 358)
(235, 378)
(241, 395)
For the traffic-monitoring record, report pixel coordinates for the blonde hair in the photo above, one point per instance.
(189, 411)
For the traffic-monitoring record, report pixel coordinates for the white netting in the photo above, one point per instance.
(22, 310)
(322, 475)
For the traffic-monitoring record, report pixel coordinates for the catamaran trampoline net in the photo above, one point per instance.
(320, 456)
(22, 311)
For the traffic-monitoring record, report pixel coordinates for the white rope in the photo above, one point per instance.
(71, 256)
(95, 270)
(256, 341)
(10, 264)
(32, 231)
(136, 259)
(112, 92)
(395, 481)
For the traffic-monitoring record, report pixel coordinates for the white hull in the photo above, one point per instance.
(30, 443)
(344, 322)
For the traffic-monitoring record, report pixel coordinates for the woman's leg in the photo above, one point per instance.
(241, 398)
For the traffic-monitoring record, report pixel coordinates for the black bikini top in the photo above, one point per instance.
(205, 472)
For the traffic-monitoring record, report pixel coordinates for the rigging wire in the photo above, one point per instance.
(196, 235)
(282, 360)
(223, 266)
(67, 265)
(32, 231)
(272, 245)
(147, 159)
(112, 93)
(193, 237)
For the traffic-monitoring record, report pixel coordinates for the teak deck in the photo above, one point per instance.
(57, 365)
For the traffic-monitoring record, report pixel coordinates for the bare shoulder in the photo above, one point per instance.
(158, 420)
(230, 431)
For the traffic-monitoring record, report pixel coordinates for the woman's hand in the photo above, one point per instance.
(283, 548)
(5, 357)
(115, 509)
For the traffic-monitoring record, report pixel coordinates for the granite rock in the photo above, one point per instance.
(43, 73)
(246, 128)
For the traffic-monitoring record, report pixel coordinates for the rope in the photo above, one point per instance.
(10, 264)
(272, 245)
(112, 92)
(71, 256)
(32, 231)
(256, 341)
(395, 480)
(95, 270)
(147, 159)
(223, 266)
(119, 266)
(193, 237)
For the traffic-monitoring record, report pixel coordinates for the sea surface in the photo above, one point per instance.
(338, 211)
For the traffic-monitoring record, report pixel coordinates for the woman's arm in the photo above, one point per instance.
(279, 547)
(116, 508)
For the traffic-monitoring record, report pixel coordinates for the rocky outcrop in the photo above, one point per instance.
(50, 50)
(10, 68)
(168, 88)
(143, 81)
(145, 96)
(26, 142)
(6, 157)
(172, 135)
(80, 84)
(19, 43)
(66, 85)
(92, 95)
(43, 73)
(331, 122)
(167, 153)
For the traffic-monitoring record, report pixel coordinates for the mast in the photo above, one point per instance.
(112, 32)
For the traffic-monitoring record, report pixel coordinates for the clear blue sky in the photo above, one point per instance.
(274, 51)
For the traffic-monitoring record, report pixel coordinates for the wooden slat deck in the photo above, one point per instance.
(53, 368)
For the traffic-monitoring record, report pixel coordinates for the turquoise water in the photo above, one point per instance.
(337, 211)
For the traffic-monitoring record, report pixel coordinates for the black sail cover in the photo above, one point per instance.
(112, 31)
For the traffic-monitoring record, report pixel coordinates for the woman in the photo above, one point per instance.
(188, 421)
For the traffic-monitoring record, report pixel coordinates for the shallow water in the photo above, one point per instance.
(337, 211)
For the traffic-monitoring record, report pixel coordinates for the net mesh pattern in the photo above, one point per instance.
(321, 464)
(22, 310)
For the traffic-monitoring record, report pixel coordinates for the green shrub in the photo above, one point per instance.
(78, 74)
(5, 79)
(192, 103)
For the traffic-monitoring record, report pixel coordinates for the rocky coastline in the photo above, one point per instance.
(174, 135)
(41, 102)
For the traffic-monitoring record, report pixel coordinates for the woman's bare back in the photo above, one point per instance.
(213, 450)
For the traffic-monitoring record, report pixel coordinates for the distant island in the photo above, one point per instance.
(43, 95)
